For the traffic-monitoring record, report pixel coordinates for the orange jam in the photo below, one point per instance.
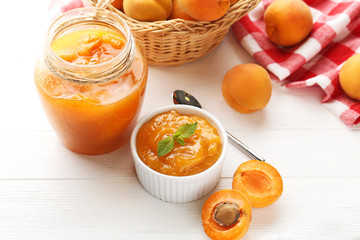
(92, 118)
(200, 151)
(89, 46)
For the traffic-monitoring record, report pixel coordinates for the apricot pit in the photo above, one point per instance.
(227, 214)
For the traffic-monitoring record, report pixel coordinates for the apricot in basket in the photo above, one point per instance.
(148, 10)
(205, 10)
(178, 12)
(118, 4)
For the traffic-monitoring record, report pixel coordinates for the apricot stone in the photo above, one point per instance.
(288, 22)
(205, 10)
(350, 77)
(247, 88)
(148, 10)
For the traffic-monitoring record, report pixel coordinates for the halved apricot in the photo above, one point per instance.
(259, 181)
(226, 215)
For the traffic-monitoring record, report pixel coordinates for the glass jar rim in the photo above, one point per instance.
(96, 73)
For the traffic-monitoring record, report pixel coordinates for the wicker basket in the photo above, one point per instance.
(177, 41)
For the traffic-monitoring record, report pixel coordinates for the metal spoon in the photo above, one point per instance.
(182, 97)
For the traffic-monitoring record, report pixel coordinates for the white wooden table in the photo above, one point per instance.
(48, 192)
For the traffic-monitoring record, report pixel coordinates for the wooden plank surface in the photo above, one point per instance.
(48, 192)
(310, 208)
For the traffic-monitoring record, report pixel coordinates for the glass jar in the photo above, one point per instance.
(92, 102)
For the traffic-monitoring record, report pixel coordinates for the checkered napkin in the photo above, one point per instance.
(316, 61)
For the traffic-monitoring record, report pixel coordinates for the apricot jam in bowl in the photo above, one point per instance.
(179, 152)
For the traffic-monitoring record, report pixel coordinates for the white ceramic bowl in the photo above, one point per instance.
(183, 188)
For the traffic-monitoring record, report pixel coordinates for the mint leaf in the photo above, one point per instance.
(176, 134)
(180, 141)
(187, 130)
(168, 143)
(165, 146)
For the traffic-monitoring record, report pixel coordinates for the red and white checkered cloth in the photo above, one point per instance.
(316, 61)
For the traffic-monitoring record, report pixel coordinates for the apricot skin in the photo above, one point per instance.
(178, 12)
(288, 22)
(205, 10)
(350, 77)
(247, 88)
(259, 181)
(118, 4)
(148, 10)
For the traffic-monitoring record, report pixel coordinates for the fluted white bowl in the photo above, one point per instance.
(179, 188)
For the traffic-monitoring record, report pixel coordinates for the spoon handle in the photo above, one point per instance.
(244, 148)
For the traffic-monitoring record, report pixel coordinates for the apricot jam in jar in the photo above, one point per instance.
(200, 151)
(91, 80)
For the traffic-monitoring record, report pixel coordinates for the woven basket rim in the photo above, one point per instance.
(178, 41)
(180, 25)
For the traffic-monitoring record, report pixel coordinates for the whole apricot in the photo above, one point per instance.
(288, 22)
(247, 87)
(259, 181)
(148, 10)
(205, 10)
(178, 12)
(226, 215)
(118, 4)
(350, 77)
